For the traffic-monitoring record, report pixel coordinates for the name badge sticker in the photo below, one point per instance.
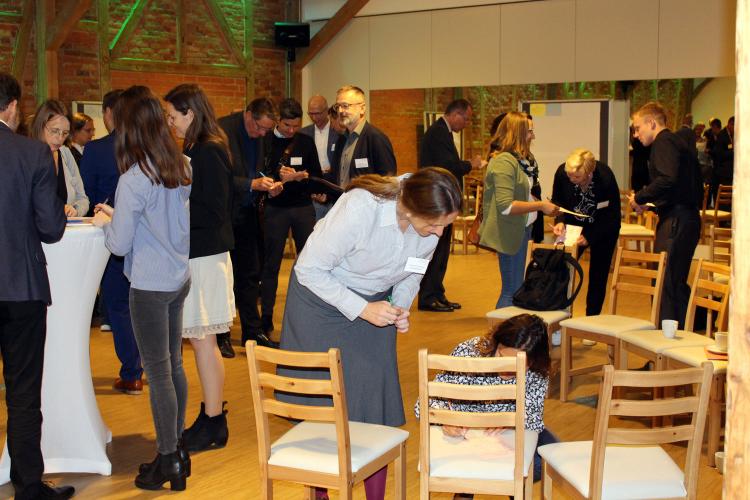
(416, 265)
(603, 204)
(333, 147)
(361, 163)
(295, 160)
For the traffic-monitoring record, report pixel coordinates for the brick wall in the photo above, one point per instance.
(155, 39)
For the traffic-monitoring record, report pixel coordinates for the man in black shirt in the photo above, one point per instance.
(291, 158)
(676, 190)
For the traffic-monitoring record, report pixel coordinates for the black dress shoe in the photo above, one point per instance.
(454, 305)
(435, 306)
(43, 490)
(263, 340)
(224, 341)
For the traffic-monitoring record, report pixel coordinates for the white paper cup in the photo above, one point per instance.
(719, 459)
(721, 340)
(669, 328)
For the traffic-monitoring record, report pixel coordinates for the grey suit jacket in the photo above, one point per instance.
(30, 213)
(332, 138)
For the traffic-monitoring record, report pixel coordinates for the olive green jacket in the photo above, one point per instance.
(504, 182)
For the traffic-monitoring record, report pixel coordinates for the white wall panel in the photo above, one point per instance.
(696, 38)
(616, 40)
(537, 42)
(466, 60)
(400, 51)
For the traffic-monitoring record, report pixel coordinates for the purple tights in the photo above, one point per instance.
(374, 487)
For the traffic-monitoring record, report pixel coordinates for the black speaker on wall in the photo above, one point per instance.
(292, 35)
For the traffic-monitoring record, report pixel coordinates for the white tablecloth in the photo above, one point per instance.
(74, 437)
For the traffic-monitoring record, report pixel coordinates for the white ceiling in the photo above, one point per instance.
(317, 10)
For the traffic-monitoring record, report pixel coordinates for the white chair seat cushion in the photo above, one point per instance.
(655, 341)
(548, 317)
(694, 356)
(630, 472)
(635, 230)
(607, 324)
(478, 456)
(312, 445)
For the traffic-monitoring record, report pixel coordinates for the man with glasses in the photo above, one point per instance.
(363, 149)
(244, 131)
(439, 150)
(322, 131)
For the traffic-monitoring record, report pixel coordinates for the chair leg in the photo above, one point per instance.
(266, 489)
(399, 473)
(424, 486)
(346, 493)
(714, 418)
(546, 482)
(528, 487)
(565, 364)
(310, 492)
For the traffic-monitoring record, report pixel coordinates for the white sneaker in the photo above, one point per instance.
(588, 342)
(105, 327)
(556, 338)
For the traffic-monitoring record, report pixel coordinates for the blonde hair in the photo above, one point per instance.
(653, 110)
(513, 134)
(580, 159)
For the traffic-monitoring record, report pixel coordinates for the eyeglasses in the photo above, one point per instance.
(344, 106)
(57, 131)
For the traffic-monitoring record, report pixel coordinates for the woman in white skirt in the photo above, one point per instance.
(209, 307)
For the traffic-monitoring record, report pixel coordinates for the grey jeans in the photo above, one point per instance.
(157, 326)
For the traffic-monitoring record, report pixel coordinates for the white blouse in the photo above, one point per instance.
(358, 246)
(73, 183)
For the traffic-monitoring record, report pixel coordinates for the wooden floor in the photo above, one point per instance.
(232, 473)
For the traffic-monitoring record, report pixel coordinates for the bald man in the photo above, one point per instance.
(325, 142)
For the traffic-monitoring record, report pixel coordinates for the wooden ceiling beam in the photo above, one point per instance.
(332, 28)
(23, 40)
(64, 22)
(224, 31)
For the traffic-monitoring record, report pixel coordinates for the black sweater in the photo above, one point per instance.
(302, 151)
(210, 200)
(605, 220)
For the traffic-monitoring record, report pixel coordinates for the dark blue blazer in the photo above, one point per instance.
(99, 170)
(30, 213)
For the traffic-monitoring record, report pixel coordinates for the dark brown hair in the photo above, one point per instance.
(143, 138)
(204, 127)
(44, 113)
(429, 192)
(525, 332)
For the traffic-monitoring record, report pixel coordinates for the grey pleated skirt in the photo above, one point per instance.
(368, 355)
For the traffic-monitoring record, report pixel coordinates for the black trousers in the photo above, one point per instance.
(677, 233)
(602, 248)
(431, 288)
(23, 330)
(276, 224)
(246, 266)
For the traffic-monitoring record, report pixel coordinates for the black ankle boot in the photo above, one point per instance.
(169, 467)
(208, 432)
(184, 456)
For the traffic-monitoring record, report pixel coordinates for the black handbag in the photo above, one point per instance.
(545, 287)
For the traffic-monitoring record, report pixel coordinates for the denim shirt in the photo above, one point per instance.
(151, 228)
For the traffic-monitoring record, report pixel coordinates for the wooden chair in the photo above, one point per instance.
(472, 205)
(720, 242)
(627, 213)
(478, 463)
(721, 211)
(627, 462)
(708, 292)
(324, 449)
(605, 328)
(551, 318)
(642, 232)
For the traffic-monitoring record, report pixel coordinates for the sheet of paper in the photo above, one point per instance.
(572, 233)
(566, 211)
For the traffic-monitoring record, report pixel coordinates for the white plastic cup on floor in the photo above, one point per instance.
(669, 328)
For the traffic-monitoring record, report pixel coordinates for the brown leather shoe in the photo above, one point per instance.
(132, 387)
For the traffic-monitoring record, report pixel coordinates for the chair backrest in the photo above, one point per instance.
(607, 433)
(571, 250)
(630, 275)
(429, 389)
(711, 292)
(723, 199)
(720, 241)
(706, 196)
(628, 214)
(265, 382)
(472, 195)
